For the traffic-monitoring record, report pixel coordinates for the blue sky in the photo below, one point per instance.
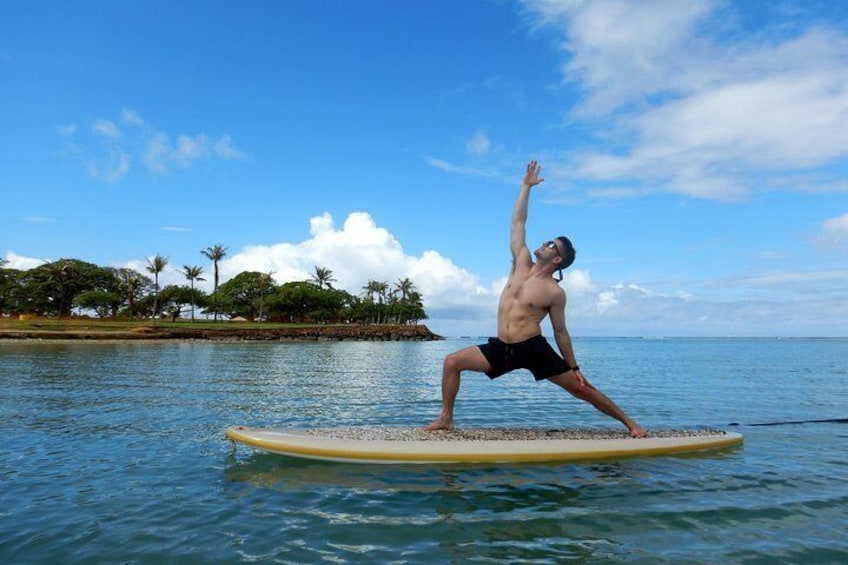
(695, 152)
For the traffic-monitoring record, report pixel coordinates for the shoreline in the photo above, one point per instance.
(351, 332)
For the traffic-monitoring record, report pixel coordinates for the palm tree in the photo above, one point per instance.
(215, 254)
(193, 274)
(405, 287)
(266, 283)
(130, 281)
(383, 291)
(323, 276)
(372, 288)
(156, 266)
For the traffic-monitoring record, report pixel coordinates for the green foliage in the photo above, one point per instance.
(53, 289)
(9, 288)
(175, 298)
(50, 289)
(133, 286)
(244, 295)
(105, 303)
(306, 302)
(193, 273)
(403, 305)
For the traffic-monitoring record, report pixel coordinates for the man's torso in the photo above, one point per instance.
(524, 303)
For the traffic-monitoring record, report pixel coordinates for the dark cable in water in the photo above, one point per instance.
(825, 421)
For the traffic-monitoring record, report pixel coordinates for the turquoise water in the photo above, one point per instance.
(114, 453)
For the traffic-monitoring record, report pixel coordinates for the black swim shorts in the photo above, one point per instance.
(535, 354)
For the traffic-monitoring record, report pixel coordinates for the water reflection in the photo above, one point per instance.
(491, 511)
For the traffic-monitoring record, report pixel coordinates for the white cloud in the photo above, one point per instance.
(21, 263)
(190, 149)
(172, 274)
(131, 118)
(465, 170)
(580, 281)
(798, 282)
(835, 230)
(479, 144)
(444, 165)
(156, 153)
(694, 111)
(226, 149)
(110, 165)
(160, 153)
(110, 151)
(622, 51)
(66, 130)
(360, 251)
(106, 128)
(460, 303)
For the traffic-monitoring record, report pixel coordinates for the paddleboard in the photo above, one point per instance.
(474, 445)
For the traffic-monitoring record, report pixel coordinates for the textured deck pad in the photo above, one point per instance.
(474, 445)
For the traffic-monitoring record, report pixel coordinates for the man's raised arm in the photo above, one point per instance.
(518, 235)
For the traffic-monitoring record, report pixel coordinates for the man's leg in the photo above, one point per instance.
(468, 359)
(597, 399)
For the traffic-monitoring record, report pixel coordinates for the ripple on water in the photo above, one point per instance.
(116, 453)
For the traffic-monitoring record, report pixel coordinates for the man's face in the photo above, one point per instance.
(548, 250)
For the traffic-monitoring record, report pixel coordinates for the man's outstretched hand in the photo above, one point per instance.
(531, 178)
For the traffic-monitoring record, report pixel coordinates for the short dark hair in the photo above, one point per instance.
(568, 253)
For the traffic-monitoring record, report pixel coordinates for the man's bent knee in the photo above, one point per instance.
(465, 360)
(452, 364)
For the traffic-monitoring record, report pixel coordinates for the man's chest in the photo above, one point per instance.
(526, 293)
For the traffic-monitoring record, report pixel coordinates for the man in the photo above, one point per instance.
(531, 293)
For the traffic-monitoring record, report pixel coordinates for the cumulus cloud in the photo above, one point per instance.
(360, 251)
(694, 111)
(21, 263)
(112, 147)
(172, 274)
(460, 303)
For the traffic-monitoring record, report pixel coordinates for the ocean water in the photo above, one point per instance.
(115, 453)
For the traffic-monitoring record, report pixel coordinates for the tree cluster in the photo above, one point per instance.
(57, 288)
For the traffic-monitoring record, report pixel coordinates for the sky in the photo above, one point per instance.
(696, 153)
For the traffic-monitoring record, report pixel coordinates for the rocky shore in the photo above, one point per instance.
(346, 332)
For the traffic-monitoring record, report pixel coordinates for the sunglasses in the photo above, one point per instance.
(552, 245)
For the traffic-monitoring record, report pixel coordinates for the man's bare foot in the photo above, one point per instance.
(440, 424)
(638, 431)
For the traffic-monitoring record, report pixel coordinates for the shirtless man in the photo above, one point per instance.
(531, 293)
